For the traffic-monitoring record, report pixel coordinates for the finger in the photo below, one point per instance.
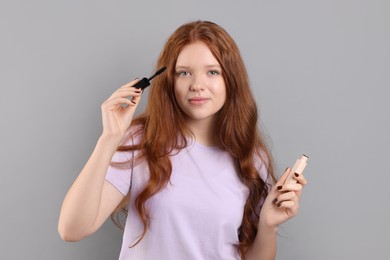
(291, 207)
(114, 103)
(135, 90)
(126, 92)
(300, 178)
(289, 187)
(129, 96)
(131, 83)
(129, 113)
(286, 196)
(136, 99)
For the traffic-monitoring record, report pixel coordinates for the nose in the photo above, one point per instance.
(197, 84)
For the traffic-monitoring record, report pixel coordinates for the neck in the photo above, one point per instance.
(204, 131)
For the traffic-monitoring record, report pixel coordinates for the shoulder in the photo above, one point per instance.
(261, 163)
(132, 136)
(127, 149)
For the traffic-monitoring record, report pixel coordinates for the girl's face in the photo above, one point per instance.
(199, 86)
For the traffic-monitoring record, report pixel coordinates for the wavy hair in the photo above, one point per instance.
(238, 130)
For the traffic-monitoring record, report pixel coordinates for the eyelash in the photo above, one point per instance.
(180, 73)
(214, 72)
(184, 73)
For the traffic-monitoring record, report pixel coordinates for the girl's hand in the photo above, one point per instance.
(116, 118)
(282, 203)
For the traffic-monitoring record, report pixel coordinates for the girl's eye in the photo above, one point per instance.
(183, 73)
(214, 72)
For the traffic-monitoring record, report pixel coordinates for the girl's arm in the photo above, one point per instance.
(281, 204)
(91, 199)
(264, 246)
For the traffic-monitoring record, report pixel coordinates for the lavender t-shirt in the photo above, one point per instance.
(196, 216)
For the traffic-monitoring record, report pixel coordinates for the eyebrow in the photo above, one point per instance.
(207, 66)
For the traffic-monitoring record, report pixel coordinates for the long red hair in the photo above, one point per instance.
(163, 123)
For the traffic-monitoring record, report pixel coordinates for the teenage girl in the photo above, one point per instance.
(192, 173)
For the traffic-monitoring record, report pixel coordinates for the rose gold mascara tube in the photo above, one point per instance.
(298, 167)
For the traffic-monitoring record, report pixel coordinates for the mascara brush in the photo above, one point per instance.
(145, 82)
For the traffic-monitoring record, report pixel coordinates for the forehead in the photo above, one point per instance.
(194, 54)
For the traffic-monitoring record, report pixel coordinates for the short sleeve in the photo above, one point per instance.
(120, 177)
(261, 167)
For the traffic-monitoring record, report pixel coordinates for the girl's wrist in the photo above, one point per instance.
(266, 227)
(110, 139)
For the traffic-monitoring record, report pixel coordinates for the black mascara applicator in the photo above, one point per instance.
(145, 82)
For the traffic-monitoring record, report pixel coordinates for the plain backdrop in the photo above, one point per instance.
(319, 70)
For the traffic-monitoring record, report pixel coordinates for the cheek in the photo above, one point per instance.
(179, 94)
(176, 92)
(221, 91)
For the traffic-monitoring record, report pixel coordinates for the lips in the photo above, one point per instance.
(198, 100)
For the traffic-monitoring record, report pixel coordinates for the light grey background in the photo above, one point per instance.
(319, 69)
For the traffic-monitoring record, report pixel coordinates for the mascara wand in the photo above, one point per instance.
(145, 82)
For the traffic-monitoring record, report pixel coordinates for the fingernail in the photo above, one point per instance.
(296, 174)
(279, 187)
(275, 200)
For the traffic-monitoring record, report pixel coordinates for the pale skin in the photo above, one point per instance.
(91, 199)
(200, 92)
